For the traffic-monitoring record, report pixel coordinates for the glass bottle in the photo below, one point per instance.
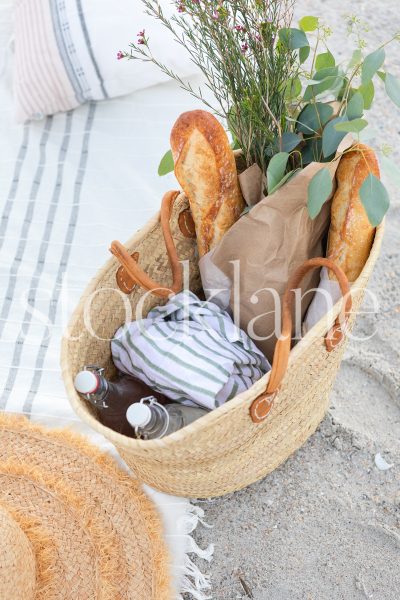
(111, 399)
(150, 420)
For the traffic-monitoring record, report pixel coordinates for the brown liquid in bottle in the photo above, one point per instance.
(113, 398)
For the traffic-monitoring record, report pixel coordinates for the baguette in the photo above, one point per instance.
(351, 234)
(206, 170)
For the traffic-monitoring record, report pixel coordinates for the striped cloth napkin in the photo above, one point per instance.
(191, 351)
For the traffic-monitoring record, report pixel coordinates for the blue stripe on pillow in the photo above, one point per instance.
(90, 49)
(68, 54)
(61, 27)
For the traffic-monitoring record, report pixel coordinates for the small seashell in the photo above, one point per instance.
(381, 463)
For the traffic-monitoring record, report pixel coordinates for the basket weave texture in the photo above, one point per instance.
(224, 451)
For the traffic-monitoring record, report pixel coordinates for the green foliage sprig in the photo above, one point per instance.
(332, 103)
(286, 100)
(235, 45)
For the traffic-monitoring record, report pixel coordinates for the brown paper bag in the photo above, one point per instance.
(261, 251)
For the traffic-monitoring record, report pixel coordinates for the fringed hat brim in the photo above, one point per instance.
(93, 531)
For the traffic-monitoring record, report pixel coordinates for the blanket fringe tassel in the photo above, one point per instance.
(193, 582)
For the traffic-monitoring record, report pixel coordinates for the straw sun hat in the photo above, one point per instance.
(72, 524)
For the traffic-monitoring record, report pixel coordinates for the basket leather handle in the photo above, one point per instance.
(263, 403)
(136, 273)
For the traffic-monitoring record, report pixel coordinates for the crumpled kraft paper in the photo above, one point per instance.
(266, 245)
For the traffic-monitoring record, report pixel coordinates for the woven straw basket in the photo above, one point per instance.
(248, 437)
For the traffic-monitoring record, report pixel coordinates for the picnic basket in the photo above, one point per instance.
(252, 434)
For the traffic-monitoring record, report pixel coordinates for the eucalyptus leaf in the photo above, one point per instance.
(339, 90)
(304, 53)
(329, 83)
(319, 190)
(372, 63)
(356, 59)
(368, 93)
(293, 89)
(166, 164)
(297, 87)
(324, 60)
(321, 74)
(323, 80)
(354, 126)
(276, 169)
(309, 23)
(392, 86)
(313, 81)
(293, 38)
(312, 152)
(382, 75)
(307, 153)
(375, 199)
(355, 106)
(290, 141)
(331, 138)
(313, 117)
(284, 180)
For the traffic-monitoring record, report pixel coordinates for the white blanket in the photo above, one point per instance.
(68, 186)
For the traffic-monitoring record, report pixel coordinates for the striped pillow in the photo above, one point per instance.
(65, 53)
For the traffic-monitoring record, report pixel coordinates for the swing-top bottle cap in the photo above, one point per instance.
(86, 382)
(138, 415)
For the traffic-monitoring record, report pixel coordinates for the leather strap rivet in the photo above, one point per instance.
(335, 336)
(125, 283)
(261, 407)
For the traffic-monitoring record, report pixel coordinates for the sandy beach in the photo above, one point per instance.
(326, 524)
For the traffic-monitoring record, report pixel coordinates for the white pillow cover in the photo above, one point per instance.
(66, 53)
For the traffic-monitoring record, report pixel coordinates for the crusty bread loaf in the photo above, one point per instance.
(205, 168)
(351, 234)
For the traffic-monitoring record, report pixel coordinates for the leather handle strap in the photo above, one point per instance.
(136, 273)
(263, 403)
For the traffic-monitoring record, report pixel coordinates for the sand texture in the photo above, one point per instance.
(326, 524)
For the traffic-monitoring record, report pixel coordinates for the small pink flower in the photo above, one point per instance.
(120, 55)
(240, 28)
(181, 7)
(141, 33)
(245, 47)
(215, 15)
(141, 41)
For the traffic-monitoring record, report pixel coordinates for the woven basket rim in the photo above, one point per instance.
(318, 330)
